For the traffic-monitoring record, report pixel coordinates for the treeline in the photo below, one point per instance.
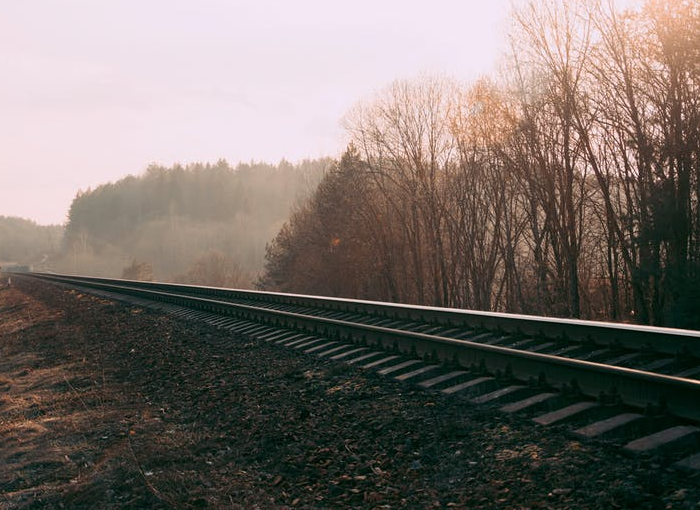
(166, 223)
(569, 186)
(24, 242)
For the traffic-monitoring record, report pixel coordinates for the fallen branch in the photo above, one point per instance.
(149, 485)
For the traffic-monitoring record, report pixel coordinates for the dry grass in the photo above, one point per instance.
(102, 407)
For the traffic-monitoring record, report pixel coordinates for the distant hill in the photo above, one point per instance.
(24, 242)
(169, 218)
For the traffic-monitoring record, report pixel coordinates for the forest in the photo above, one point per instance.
(24, 242)
(198, 223)
(567, 185)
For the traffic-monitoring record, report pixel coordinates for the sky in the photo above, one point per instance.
(94, 90)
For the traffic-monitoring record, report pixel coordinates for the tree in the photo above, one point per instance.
(213, 269)
(142, 271)
(404, 138)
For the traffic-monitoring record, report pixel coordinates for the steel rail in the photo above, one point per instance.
(637, 388)
(662, 340)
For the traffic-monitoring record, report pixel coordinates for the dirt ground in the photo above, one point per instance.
(103, 405)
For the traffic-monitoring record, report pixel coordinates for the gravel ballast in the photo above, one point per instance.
(106, 405)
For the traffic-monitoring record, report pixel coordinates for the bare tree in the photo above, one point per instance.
(405, 140)
(142, 271)
(555, 47)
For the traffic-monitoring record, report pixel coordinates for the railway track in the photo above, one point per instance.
(638, 384)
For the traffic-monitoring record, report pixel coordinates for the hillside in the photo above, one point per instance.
(24, 242)
(169, 218)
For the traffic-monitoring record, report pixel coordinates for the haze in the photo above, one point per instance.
(92, 91)
(523, 192)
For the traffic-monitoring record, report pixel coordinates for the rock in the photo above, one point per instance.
(416, 465)
(562, 492)
(679, 495)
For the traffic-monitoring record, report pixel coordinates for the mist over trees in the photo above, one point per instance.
(169, 223)
(23, 241)
(569, 186)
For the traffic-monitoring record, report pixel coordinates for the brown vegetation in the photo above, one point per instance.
(138, 271)
(215, 270)
(570, 187)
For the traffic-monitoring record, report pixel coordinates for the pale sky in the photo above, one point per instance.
(93, 90)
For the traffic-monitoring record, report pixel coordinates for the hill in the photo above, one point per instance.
(168, 219)
(24, 242)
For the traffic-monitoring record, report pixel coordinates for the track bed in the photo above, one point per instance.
(113, 406)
